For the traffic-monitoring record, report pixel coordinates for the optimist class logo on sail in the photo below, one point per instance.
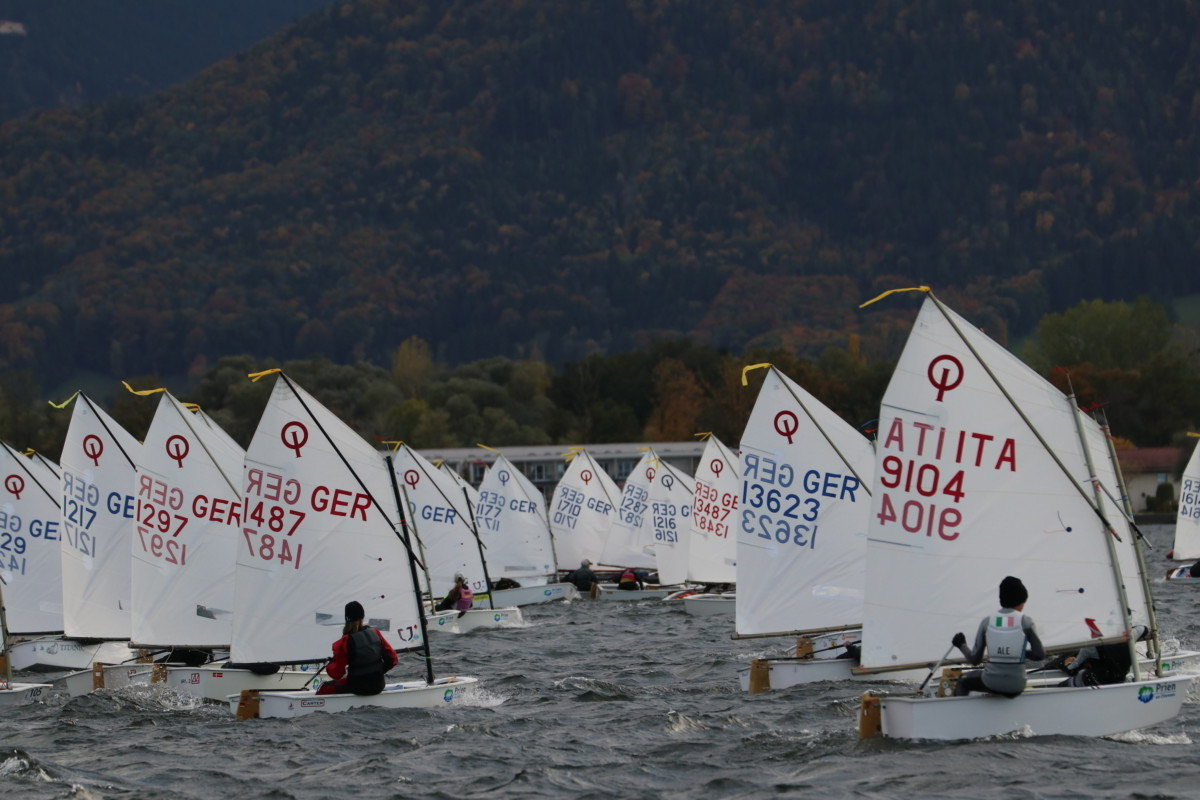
(926, 464)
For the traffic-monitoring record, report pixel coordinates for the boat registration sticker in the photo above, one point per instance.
(1148, 693)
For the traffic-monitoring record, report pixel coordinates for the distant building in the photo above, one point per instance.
(1147, 468)
(545, 464)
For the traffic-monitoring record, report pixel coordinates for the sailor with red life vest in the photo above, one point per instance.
(460, 597)
(361, 657)
(630, 580)
(1007, 637)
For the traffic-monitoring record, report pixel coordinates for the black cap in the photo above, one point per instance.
(354, 610)
(1012, 592)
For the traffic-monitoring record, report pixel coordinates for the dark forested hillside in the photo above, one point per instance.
(57, 53)
(558, 178)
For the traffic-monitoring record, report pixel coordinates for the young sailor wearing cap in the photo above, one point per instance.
(1008, 637)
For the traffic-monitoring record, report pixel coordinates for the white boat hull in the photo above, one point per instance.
(475, 619)
(532, 595)
(57, 653)
(1088, 711)
(785, 674)
(609, 591)
(409, 694)
(710, 605)
(1182, 575)
(22, 694)
(208, 682)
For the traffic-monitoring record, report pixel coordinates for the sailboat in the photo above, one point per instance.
(440, 518)
(1187, 520)
(11, 692)
(668, 525)
(712, 554)
(323, 525)
(97, 508)
(513, 527)
(582, 510)
(983, 470)
(187, 528)
(801, 533)
(30, 562)
(627, 545)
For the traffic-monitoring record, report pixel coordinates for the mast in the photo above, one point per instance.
(1118, 579)
(487, 580)
(412, 568)
(1151, 612)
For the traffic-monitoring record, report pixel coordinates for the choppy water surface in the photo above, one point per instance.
(589, 700)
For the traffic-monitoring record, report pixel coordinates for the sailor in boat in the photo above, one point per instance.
(1103, 664)
(630, 580)
(460, 597)
(584, 579)
(361, 657)
(1007, 637)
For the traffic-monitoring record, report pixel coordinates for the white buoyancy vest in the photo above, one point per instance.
(1006, 637)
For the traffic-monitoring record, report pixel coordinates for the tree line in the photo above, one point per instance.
(1125, 360)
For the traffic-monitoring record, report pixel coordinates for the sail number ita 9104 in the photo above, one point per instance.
(929, 488)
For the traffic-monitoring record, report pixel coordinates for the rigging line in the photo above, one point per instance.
(865, 485)
(107, 430)
(1021, 413)
(25, 468)
(48, 464)
(176, 405)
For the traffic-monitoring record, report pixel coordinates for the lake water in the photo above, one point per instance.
(589, 700)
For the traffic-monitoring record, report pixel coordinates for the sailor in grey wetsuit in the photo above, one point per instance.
(1007, 637)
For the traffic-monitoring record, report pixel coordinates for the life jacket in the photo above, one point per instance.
(466, 598)
(628, 576)
(364, 652)
(1006, 637)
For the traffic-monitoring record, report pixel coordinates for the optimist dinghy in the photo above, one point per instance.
(325, 526)
(440, 517)
(1187, 517)
(801, 534)
(11, 692)
(983, 470)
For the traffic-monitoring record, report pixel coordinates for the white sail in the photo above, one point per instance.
(97, 510)
(511, 516)
(802, 514)
(669, 522)
(582, 510)
(1187, 519)
(320, 528)
(971, 486)
(30, 562)
(627, 542)
(461, 482)
(188, 526)
(712, 555)
(439, 514)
